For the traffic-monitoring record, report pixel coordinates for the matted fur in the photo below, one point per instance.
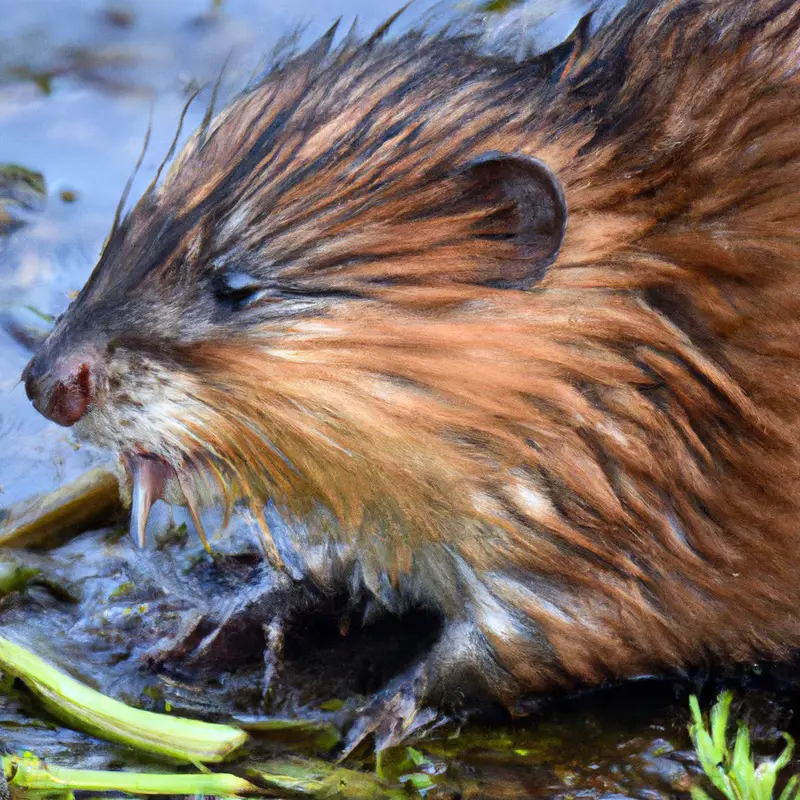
(598, 477)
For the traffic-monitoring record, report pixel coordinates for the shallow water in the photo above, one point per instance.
(77, 83)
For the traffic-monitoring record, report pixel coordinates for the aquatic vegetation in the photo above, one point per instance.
(734, 772)
(30, 774)
(182, 739)
(189, 741)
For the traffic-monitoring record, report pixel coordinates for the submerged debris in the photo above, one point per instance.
(21, 189)
(92, 501)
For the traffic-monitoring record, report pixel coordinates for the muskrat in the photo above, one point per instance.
(515, 342)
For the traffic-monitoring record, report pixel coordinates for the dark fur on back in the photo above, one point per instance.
(593, 477)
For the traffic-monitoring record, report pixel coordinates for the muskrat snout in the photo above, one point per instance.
(62, 390)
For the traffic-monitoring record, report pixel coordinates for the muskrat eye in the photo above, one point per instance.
(235, 289)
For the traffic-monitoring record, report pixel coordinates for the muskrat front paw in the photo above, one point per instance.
(239, 632)
(394, 714)
(175, 648)
(236, 632)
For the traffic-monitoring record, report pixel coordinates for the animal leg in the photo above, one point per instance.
(458, 664)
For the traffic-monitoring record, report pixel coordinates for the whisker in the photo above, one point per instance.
(245, 485)
(174, 144)
(197, 439)
(209, 115)
(127, 190)
(242, 419)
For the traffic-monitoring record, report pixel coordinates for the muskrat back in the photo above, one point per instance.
(515, 342)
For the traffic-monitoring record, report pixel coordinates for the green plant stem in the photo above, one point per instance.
(185, 740)
(29, 773)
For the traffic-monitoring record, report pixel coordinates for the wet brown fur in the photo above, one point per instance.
(600, 475)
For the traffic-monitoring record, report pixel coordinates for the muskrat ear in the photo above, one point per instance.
(531, 212)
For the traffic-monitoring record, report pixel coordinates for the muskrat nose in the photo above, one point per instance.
(62, 391)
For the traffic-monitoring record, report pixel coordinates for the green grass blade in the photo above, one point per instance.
(788, 792)
(783, 759)
(741, 769)
(711, 748)
(719, 723)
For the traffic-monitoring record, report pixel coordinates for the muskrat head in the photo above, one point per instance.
(295, 312)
